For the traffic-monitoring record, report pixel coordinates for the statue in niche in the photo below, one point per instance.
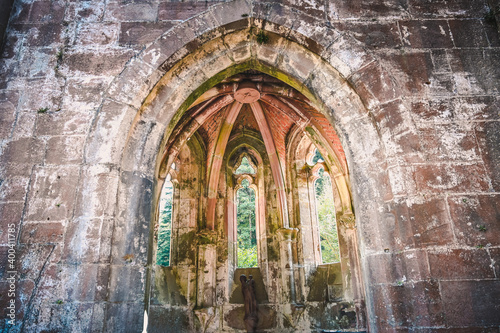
(248, 290)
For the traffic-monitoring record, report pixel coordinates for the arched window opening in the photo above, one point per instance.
(245, 167)
(246, 228)
(165, 223)
(325, 212)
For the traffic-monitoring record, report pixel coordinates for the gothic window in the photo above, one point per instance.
(325, 211)
(165, 223)
(245, 167)
(246, 225)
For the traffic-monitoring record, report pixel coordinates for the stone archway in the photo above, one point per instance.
(156, 88)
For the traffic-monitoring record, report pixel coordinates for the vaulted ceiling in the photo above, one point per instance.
(257, 103)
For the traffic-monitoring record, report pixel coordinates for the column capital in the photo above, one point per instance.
(347, 221)
(288, 234)
(207, 237)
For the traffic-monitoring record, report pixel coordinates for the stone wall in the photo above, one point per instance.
(91, 89)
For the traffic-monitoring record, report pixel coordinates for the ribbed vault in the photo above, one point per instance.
(255, 102)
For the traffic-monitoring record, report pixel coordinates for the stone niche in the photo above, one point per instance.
(276, 129)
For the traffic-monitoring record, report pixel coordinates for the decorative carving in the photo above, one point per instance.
(248, 289)
(247, 92)
(206, 236)
(347, 221)
(288, 234)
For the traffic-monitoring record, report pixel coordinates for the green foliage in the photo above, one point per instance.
(325, 210)
(247, 257)
(244, 167)
(165, 225)
(247, 238)
(262, 38)
(42, 110)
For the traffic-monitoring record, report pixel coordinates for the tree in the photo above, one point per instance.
(247, 238)
(325, 210)
(165, 225)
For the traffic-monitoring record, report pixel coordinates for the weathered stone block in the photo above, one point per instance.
(415, 70)
(492, 34)
(457, 8)
(83, 94)
(168, 11)
(430, 223)
(348, 57)
(375, 85)
(178, 319)
(363, 8)
(471, 303)
(468, 33)
(481, 65)
(409, 150)
(451, 178)
(38, 61)
(64, 122)
(425, 313)
(92, 282)
(12, 43)
(33, 257)
(450, 143)
(126, 283)
(20, 12)
(476, 219)
(97, 34)
(52, 193)
(397, 233)
(131, 91)
(426, 34)
(10, 214)
(100, 184)
(108, 134)
(131, 11)
(106, 62)
(47, 11)
(85, 11)
(82, 241)
(233, 15)
(398, 267)
(65, 150)
(373, 35)
(460, 264)
(13, 189)
(393, 116)
(399, 181)
(488, 136)
(43, 93)
(43, 34)
(23, 151)
(478, 108)
(495, 259)
(42, 233)
(141, 33)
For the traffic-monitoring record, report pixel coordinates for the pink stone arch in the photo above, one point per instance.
(143, 104)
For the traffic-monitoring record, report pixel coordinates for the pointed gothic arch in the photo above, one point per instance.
(170, 81)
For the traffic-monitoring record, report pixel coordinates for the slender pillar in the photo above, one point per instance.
(216, 162)
(274, 160)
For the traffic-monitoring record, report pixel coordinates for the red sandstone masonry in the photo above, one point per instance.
(445, 136)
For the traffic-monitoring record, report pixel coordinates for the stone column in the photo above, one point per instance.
(350, 262)
(207, 269)
(287, 236)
